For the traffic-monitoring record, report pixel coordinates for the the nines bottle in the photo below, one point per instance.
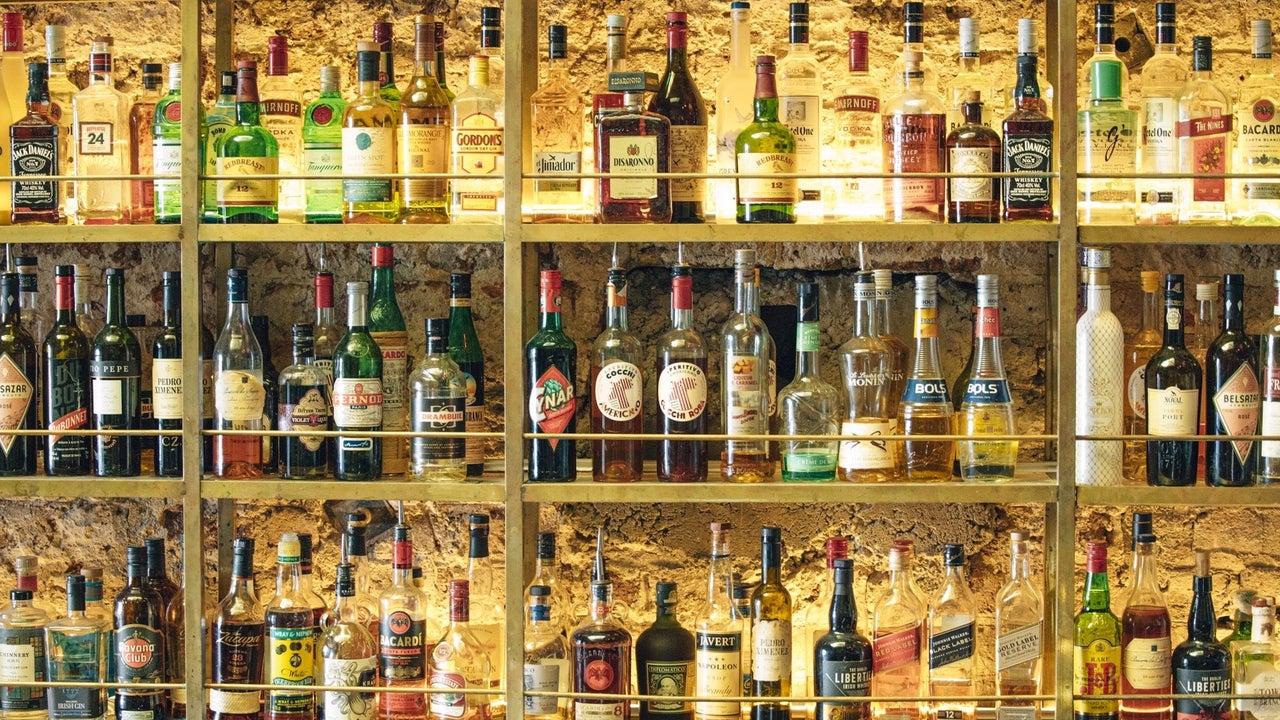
(19, 366)
(1019, 634)
(808, 405)
(477, 149)
(238, 390)
(617, 389)
(897, 630)
(914, 124)
(601, 651)
(100, 126)
(1097, 648)
(682, 388)
(858, 138)
(166, 378)
(952, 618)
(1204, 140)
(303, 405)
(235, 641)
(290, 636)
(245, 151)
(973, 148)
(422, 141)
(37, 145)
(464, 348)
(718, 670)
(865, 361)
(1145, 643)
(115, 374)
(142, 116)
(1257, 201)
(1201, 664)
(842, 658)
(987, 408)
(368, 147)
(680, 102)
(1028, 147)
(1163, 76)
(926, 407)
(166, 158)
(744, 381)
(460, 660)
(632, 141)
(555, 110)
(402, 635)
(766, 147)
(1174, 382)
(387, 328)
(217, 121)
(665, 660)
(348, 656)
(770, 632)
(438, 397)
(65, 383)
(76, 651)
(1106, 144)
(139, 642)
(322, 150)
(1099, 377)
(357, 393)
(1268, 465)
(800, 109)
(551, 369)
(546, 658)
(1232, 396)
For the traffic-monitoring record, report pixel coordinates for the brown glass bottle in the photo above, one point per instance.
(617, 390)
(1028, 147)
(973, 148)
(634, 141)
(235, 642)
(139, 642)
(36, 149)
(601, 651)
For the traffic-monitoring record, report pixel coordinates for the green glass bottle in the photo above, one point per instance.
(766, 146)
(357, 393)
(441, 75)
(18, 367)
(167, 150)
(464, 348)
(551, 362)
(65, 382)
(115, 373)
(1097, 643)
(386, 64)
(770, 632)
(246, 150)
(213, 127)
(665, 660)
(322, 149)
(166, 376)
(386, 327)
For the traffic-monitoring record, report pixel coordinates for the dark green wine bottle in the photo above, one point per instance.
(166, 378)
(387, 328)
(464, 348)
(115, 370)
(18, 367)
(65, 382)
(357, 393)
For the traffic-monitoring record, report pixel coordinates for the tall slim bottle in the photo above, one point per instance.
(800, 109)
(139, 642)
(142, 121)
(464, 349)
(1232, 394)
(617, 389)
(952, 624)
(1174, 383)
(235, 641)
(422, 144)
(1201, 664)
(290, 635)
(282, 117)
(460, 660)
(682, 387)
(387, 90)
(665, 660)
(368, 147)
(402, 636)
(808, 405)
(718, 636)
(115, 375)
(1099, 377)
(926, 407)
(1139, 346)
(1163, 76)
(1268, 466)
(1145, 639)
(770, 632)
(327, 330)
(601, 651)
(987, 408)
(1257, 201)
(61, 92)
(487, 612)
(261, 324)
(1019, 636)
(238, 390)
(19, 365)
(166, 378)
(679, 101)
(1204, 140)
(734, 106)
(1097, 643)
(219, 119)
(551, 369)
(556, 111)
(897, 634)
(65, 383)
(898, 350)
(744, 386)
(358, 394)
(386, 326)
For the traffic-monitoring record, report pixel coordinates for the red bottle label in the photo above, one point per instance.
(552, 404)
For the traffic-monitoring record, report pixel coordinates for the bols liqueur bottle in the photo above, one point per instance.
(926, 408)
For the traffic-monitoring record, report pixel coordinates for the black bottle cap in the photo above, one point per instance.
(1166, 12)
(540, 591)
(400, 533)
(345, 582)
(490, 16)
(25, 260)
(807, 302)
(304, 544)
(953, 555)
(20, 595)
(460, 282)
(9, 292)
(1143, 530)
(1201, 53)
(799, 12)
(304, 332)
(436, 328)
(135, 555)
(843, 573)
(665, 596)
(546, 546)
(741, 591)
(354, 538)
(115, 272)
(1104, 12)
(155, 553)
(75, 593)
(479, 519)
(1173, 289)
(242, 557)
(770, 534)
(171, 276)
(64, 271)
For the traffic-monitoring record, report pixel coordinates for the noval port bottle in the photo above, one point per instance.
(551, 371)
(1173, 398)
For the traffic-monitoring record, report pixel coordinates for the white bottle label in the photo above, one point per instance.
(1263, 679)
(1172, 411)
(368, 151)
(745, 412)
(350, 673)
(238, 395)
(1137, 391)
(718, 659)
(682, 391)
(598, 710)
(543, 676)
(108, 396)
(557, 162)
(971, 160)
(357, 402)
(618, 391)
(632, 155)
(766, 190)
(869, 454)
(1018, 646)
(166, 388)
(771, 650)
(802, 114)
(1146, 663)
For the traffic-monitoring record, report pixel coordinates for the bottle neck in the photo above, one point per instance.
(1150, 310)
(926, 356)
(1097, 592)
(1098, 297)
(115, 300)
(1233, 313)
(770, 563)
(864, 318)
(1173, 328)
(720, 578)
(808, 342)
(601, 601)
(744, 299)
(1202, 623)
(550, 307)
(615, 317)
(740, 39)
(843, 614)
(1144, 568)
(289, 578)
(986, 341)
(1020, 567)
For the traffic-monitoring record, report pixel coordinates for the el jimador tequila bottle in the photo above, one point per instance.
(422, 142)
(556, 113)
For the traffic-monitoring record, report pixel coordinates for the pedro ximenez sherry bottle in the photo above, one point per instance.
(166, 378)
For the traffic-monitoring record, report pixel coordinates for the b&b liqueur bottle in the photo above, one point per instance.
(770, 632)
(402, 635)
(1232, 398)
(290, 635)
(357, 393)
(1201, 664)
(680, 102)
(718, 636)
(842, 658)
(238, 392)
(601, 651)
(926, 408)
(1097, 643)
(1173, 398)
(19, 363)
(304, 404)
(617, 390)
(682, 387)
(464, 348)
(166, 378)
(551, 365)
(139, 643)
(665, 660)
(1028, 147)
(744, 387)
(66, 383)
(1144, 626)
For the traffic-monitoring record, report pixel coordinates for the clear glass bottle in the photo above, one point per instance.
(799, 78)
(76, 652)
(142, 116)
(1204, 140)
(865, 360)
(617, 390)
(1268, 467)
(556, 112)
(368, 146)
(237, 386)
(926, 407)
(629, 141)
(952, 623)
(23, 653)
(1174, 382)
(605, 100)
(355, 550)
(898, 349)
(491, 44)
(913, 45)
(460, 660)
(1257, 144)
(682, 387)
(857, 140)
(402, 635)
(387, 90)
(718, 636)
(322, 149)
(61, 91)
(327, 330)
(281, 114)
(969, 82)
(477, 148)
(546, 658)
(441, 75)
(422, 142)
(546, 572)
(915, 135)
(1106, 144)
(1099, 377)
(809, 405)
(973, 148)
(1019, 635)
(438, 397)
(290, 636)
(488, 611)
(987, 408)
(1104, 50)
(1139, 346)
(304, 404)
(745, 380)
(897, 630)
(100, 122)
(348, 657)
(1163, 76)
(734, 106)
(1253, 664)
(1145, 632)
(358, 393)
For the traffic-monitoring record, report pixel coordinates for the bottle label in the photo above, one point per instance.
(770, 650)
(766, 190)
(809, 461)
(1160, 137)
(801, 114)
(1109, 147)
(477, 150)
(139, 655)
(360, 672)
(76, 703)
(474, 410)
(745, 411)
(166, 388)
(35, 157)
(206, 388)
(914, 142)
(22, 659)
(115, 386)
(243, 190)
(368, 151)
(1096, 672)
(310, 412)
(280, 106)
(438, 415)
(552, 404)
(896, 649)
(424, 148)
(1172, 411)
(402, 652)
(953, 644)
(95, 138)
(986, 323)
(1028, 153)
(167, 160)
(16, 394)
(357, 403)
(558, 162)
(290, 661)
(618, 391)
(842, 678)
(239, 396)
(606, 710)
(237, 650)
(718, 659)
(323, 159)
(1202, 682)
(1018, 646)
(987, 391)
(867, 454)
(148, 714)
(926, 390)
(1237, 402)
(682, 391)
(926, 322)
(1258, 146)
(69, 408)
(688, 155)
(668, 678)
(1263, 679)
(1202, 143)
(1146, 663)
(632, 155)
(971, 160)
(1137, 391)
(543, 676)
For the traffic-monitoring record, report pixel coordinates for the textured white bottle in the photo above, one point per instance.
(1099, 383)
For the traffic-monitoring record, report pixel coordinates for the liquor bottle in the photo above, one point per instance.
(770, 632)
(303, 405)
(742, 611)
(115, 360)
(282, 117)
(217, 121)
(551, 368)
(460, 660)
(745, 380)
(973, 147)
(1104, 50)
(1099, 378)
(1097, 643)
(464, 349)
(76, 652)
(682, 387)
(61, 91)
(12, 66)
(1204, 140)
(809, 405)
(969, 85)
(546, 658)
(139, 642)
(865, 360)
(858, 136)
(441, 75)
(142, 116)
(912, 43)
(1145, 639)
(1106, 144)
(348, 656)
(100, 118)
(718, 636)
(799, 81)
(811, 622)
(1139, 346)
(141, 329)
(842, 658)
(157, 577)
(617, 389)
(322, 150)
(260, 325)
(355, 551)
(1201, 664)
(1027, 147)
(601, 650)
(1253, 663)
(1163, 76)
(358, 393)
(36, 314)
(422, 144)
(1019, 635)
(546, 573)
(488, 611)
(245, 150)
(22, 646)
(555, 110)
(236, 641)
(665, 660)
(96, 609)
(926, 407)
(1256, 202)
(1173, 398)
(766, 146)
(438, 397)
(237, 386)
(476, 148)
(897, 347)
(65, 386)
(628, 141)
(387, 90)
(402, 636)
(290, 636)
(368, 147)
(491, 44)
(327, 330)
(387, 328)
(987, 408)
(175, 623)
(897, 626)
(36, 144)
(19, 363)
(680, 102)
(914, 125)
(1268, 466)
(952, 616)
(165, 137)
(734, 109)
(1232, 394)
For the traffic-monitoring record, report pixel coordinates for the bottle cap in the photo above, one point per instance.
(539, 591)
(616, 21)
(1150, 280)
(437, 328)
(382, 34)
(1097, 556)
(883, 278)
(744, 258)
(988, 290)
(135, 556)
(290, 548)
(557, 41)
(837, 547)
(546, 546)
(26, 564)
(490, 16)
(739, 5)
(1206, 291)
(1166, 12)
(721, 527)
(1028, 44)
(953, 555)
(1104, 12)
(665, 597)
(20, 595)
(741, 591)
(1202, 563)
(1143, 531)
(1104, 80)
(770, 534)
(303, 332)
(1097, 258)
(858, 51)
(968, 37)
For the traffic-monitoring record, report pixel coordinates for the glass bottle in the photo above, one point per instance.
(1099, 377)
(142, 116)
(1145, 639)
(387, 90)
(745, 380)
(682, 387)
(1253, 664)
(238, 388)
(65, 392)
(809, 405)
(488, 610)
(766, 146)
(912, 44)
(546, 663)
(11, 62)
(680, 102)
(1139, 346)
(115, 375)
(476, 148)
(601, 650)
(1163, 76)
(859, 133)
(303, 405)
(1268, 466)
(23, 648)
(617, 389)
(969, 85)
(357, 393)
(37, 314)
(422, 145)
(327, 330)
(403, 634)
(1231, 394)
(61, 92)
(546, 572)
(368, 147)
(987, 408)
(19, 365)
(718, 661)
(290, 637)
(865, 360)
(1027, 147)
(387, 328)
(35, 143)
(245, 150)
(282, 117)
(166, 140)
(1106, 144)
(556, 111)
(551, 368)
(1104, 50)
(100, 119)
(1019, 635)
(322, 150)
(235, 641)
(1097, 642)
(139, 642)
(898, 350)
(811, 622)
(460, 660)
(464, 348)
(491, 44)
(438, 397)
(1174, 381)
(973, 148)
(897, 627)
(926, 408)
(734, 106)
(217, 121)
(441, 75)
(914, 141)
(741, 593)
(665, 660)
(1257, 202)
(799, 81)
(76, 652)
(1204, 140)
(348, 657)
(355, 551)
(770, 632)
(631, 141)
(842, 658)
(952, 616)
(1201, 664)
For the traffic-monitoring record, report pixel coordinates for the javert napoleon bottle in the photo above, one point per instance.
(464, 348)
(718, 636)
(19, 363)
(766, 147)
(357, 393)
(166, 378)
(1173, 398)
(139, 642)
(303, 405)
(551, 371)
(665, 660)
(65, 373)
(115, 373)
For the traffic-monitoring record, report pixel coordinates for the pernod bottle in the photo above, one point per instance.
(357, 393)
